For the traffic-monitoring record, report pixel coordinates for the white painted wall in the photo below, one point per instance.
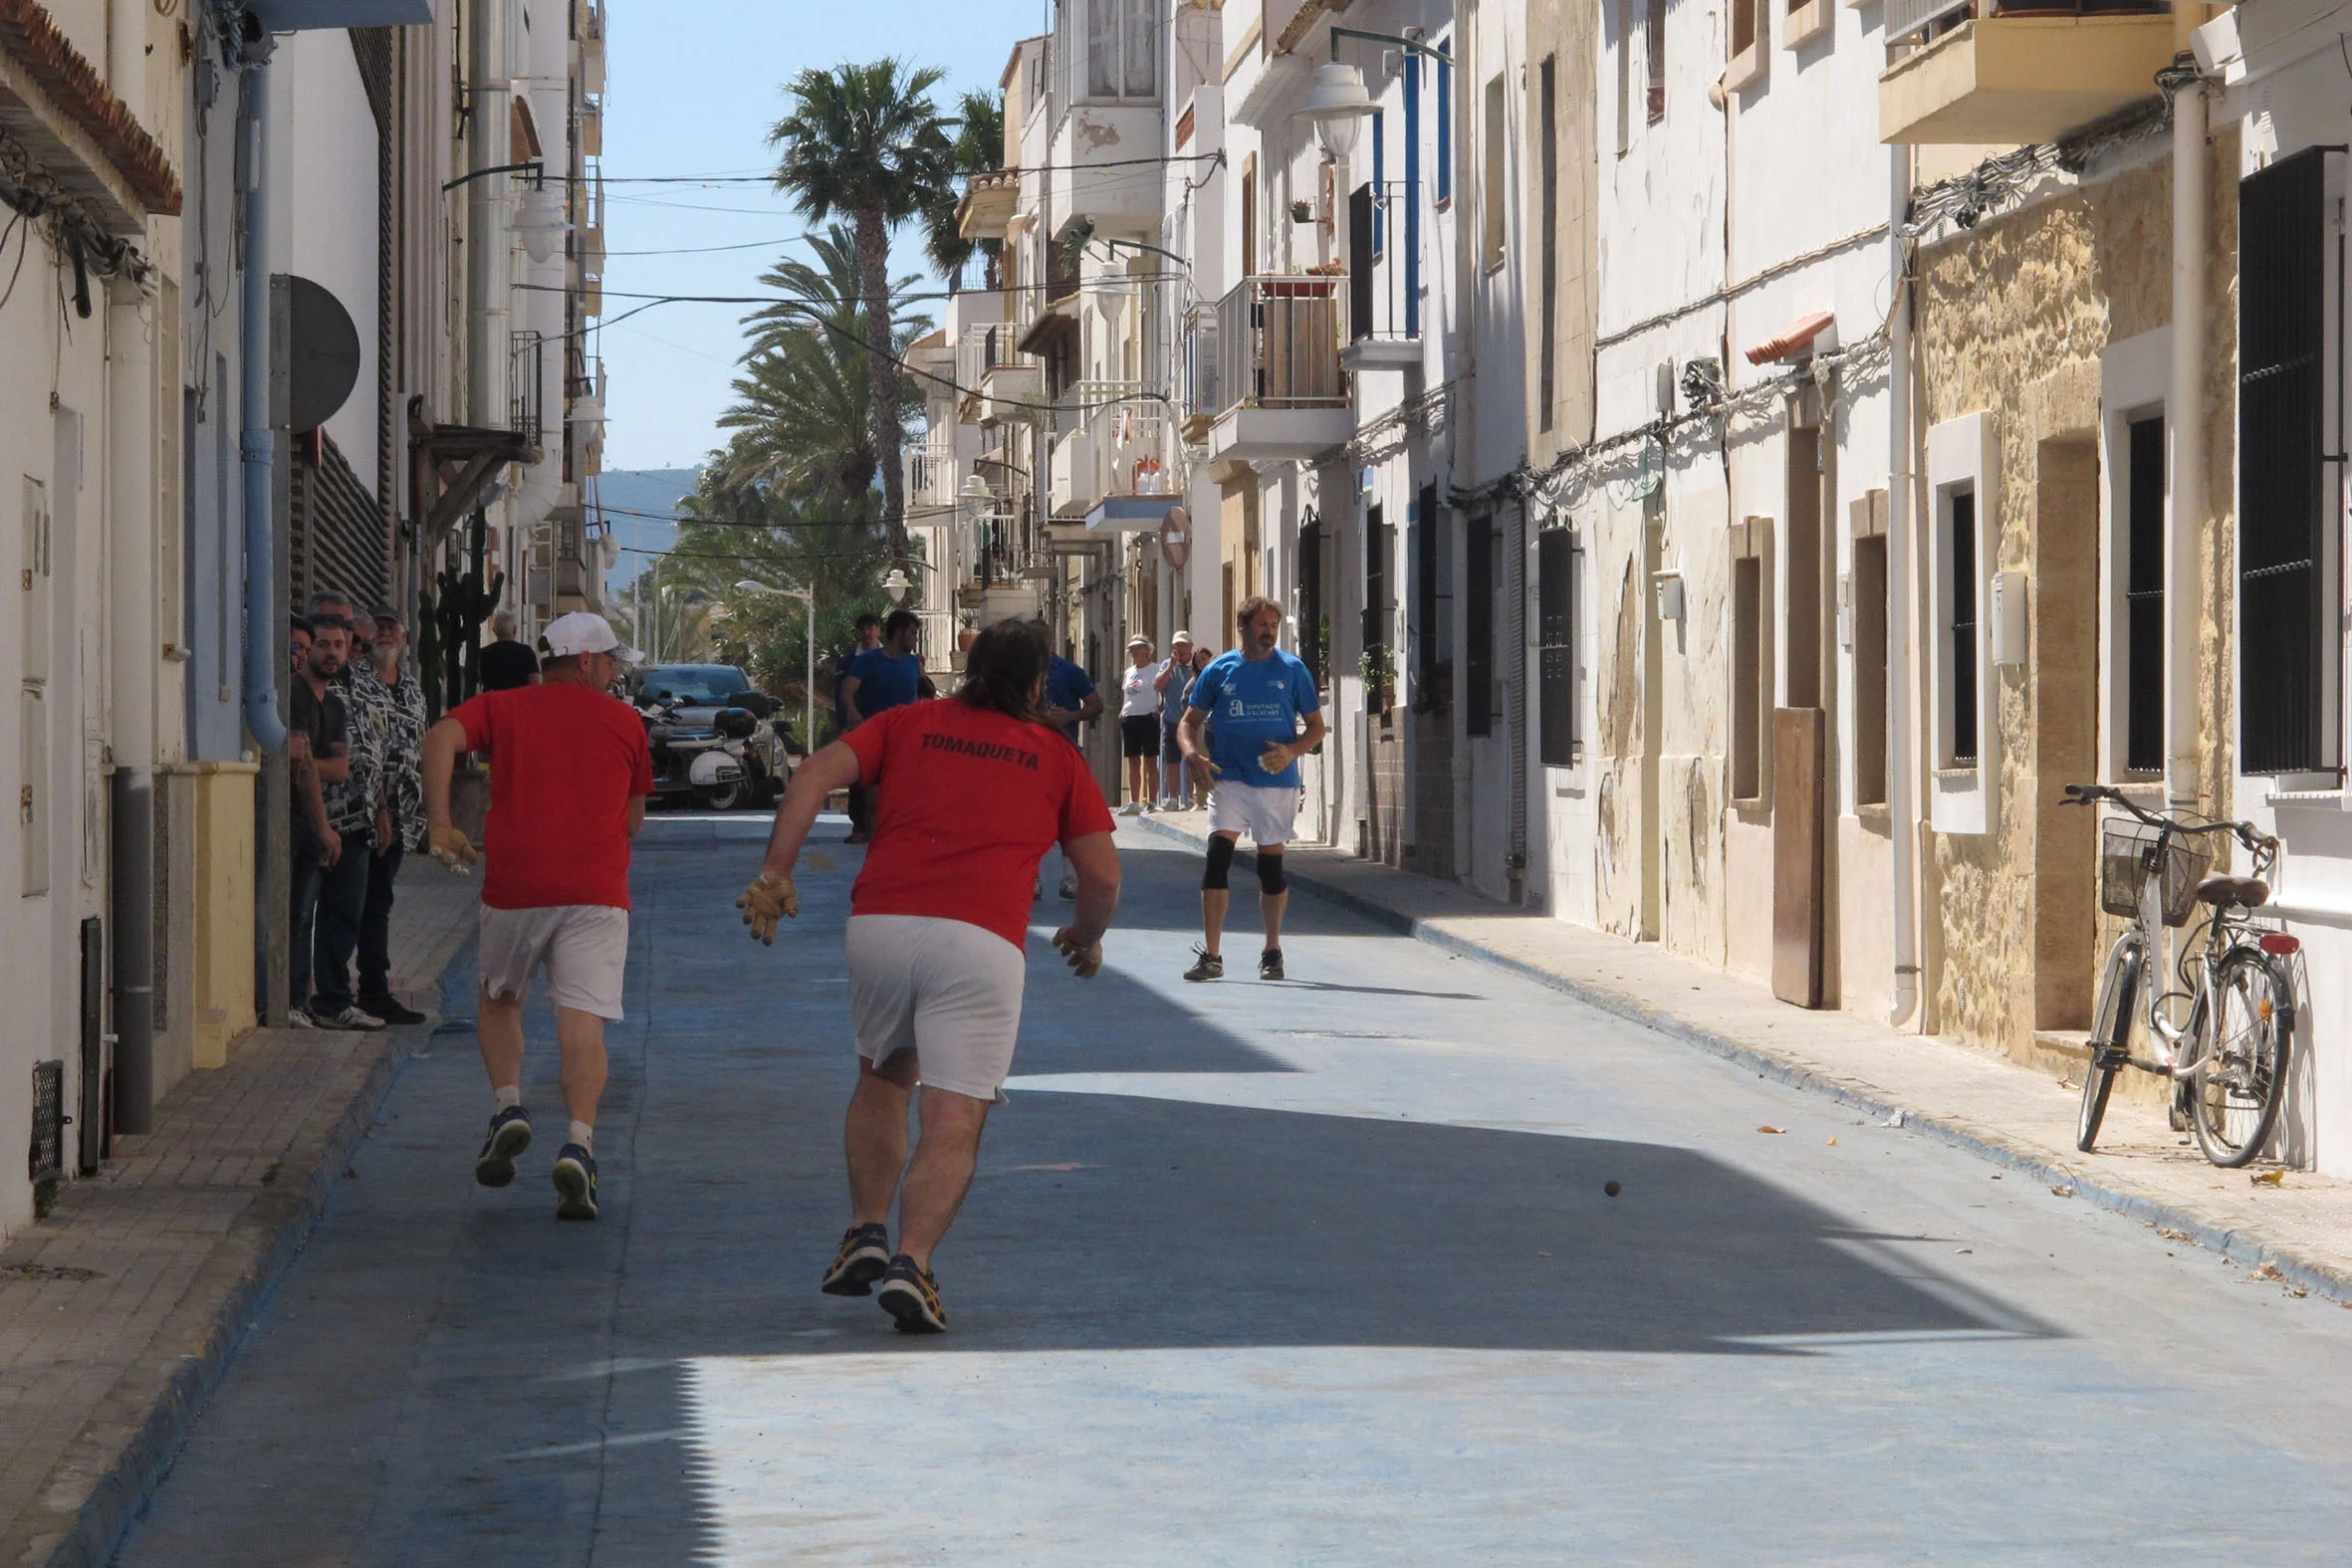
(323, 167)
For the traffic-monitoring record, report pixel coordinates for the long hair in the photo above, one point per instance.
(1002, 670)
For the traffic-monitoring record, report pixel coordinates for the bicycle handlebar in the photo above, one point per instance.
(2089, 794)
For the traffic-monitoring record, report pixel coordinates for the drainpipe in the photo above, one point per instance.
(133, 650)
(1900, 712)
(489, 97)
(2185, 414)
(264, 639)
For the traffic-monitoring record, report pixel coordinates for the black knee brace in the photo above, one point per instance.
(1220, 869)
(1271, 881)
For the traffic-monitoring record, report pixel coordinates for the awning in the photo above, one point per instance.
(1796, 341)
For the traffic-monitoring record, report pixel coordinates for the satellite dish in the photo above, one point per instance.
(322, 355)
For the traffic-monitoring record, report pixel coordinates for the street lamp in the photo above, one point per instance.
(1338, 105)
(808, 695)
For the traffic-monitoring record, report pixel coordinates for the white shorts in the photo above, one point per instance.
(584, 948)
(1268, 817)
(947, 990)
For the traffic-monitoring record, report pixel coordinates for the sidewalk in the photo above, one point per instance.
(119, 1311)
(2020, 1119)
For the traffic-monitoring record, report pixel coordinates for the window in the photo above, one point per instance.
(1433, 594)
(1624, 64)
(1654, 58)
(1122, 49)
(1866, 602)
(1743, 29)
(1747, 669)
(2143, 599)
(1445, 124)
(1478, 654)
(2281, 615)
(1249, 215)
(1379, 183)
(1494, 195)
(1315, 642)
(1555, 648)
(1960, 624)
(1379, 544)
(1548, 307)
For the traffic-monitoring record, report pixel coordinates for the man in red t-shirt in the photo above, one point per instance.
(973, 791)
(569, 774)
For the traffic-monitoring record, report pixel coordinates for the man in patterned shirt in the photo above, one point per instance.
(342, 882)
(388, 703)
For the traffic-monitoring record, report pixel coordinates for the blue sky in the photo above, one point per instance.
(693, 89)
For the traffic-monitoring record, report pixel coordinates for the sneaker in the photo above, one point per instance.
(1131, 809)
(351, 1018)
(863, 1258)
(1069, 890)
(298, 1019)
(510, 1134)
(576, 1184)
(1205, 966)
(391, 1011)
(910, 1295)
(1269, 963)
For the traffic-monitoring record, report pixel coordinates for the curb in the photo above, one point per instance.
(128, 1482)
(2320, 1279)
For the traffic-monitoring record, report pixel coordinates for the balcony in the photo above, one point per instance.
(931, 468)
(2005, 80)
(1000, 382)
(1384, 277)
(988, 204)
(1279, 375)
(1117, 463)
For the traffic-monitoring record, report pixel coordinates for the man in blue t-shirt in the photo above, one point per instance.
(877, 680)
(1264, 714)
(1070, 700)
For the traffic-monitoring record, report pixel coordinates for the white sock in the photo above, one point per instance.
(509, 1097)
(584, 1135)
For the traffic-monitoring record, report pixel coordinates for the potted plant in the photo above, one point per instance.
(1380, 674)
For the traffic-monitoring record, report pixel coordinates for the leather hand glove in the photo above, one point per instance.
(1085, 958)
(452, 848)
(769, 898)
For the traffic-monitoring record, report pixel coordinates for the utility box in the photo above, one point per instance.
(2009, 617)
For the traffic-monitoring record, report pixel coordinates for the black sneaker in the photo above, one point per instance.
(1269, 963)
(510, 1134)
(911, 1296)
(391, 1011)
(576, 1184)
(1205, 966)
(863, 1258)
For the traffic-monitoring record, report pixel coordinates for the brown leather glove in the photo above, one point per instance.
(1085, 958)
(769, 898)
(452, 848)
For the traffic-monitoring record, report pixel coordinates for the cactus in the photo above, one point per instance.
(449, 644)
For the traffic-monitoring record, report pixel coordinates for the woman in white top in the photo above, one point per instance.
(1139, 722)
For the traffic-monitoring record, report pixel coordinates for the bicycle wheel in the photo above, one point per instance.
(2235, 1087)
(2111, 1034)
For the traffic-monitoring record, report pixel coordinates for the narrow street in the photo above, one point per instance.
(1319, 1271)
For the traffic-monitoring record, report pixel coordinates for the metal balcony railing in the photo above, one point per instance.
(1384, 273)
(1201, 366)
(931, 468)
(1908, 19)
(1277, 342)
(986, 349)
(526, 385)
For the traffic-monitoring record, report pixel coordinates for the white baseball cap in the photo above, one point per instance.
(584, 632)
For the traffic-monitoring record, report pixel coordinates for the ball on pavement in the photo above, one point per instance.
(1612, 1189)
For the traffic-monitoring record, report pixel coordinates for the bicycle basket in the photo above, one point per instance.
(2127, 852)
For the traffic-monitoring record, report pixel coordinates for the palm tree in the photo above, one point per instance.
(867, 144)
(978, 149)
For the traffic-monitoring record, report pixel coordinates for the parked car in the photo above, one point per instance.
(713, 736)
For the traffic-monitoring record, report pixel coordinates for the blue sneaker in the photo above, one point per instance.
(576, 1184)
(510, 1134)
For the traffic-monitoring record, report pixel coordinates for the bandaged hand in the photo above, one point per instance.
(452, 848)
(769, 898)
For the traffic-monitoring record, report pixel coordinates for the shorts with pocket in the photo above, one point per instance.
(947, 990)
(584, 948)
(1266, 815)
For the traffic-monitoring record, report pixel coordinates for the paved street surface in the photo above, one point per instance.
(1321, 1271)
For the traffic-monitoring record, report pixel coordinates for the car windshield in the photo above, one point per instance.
(691, 684)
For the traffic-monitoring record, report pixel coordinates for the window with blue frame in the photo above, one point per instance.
(1445, 124)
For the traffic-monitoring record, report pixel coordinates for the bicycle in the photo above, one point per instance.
(2227, 1060)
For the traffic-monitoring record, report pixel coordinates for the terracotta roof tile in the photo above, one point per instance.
(29, 35)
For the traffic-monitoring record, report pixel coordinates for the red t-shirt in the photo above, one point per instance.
(564, 763)
(969, 802)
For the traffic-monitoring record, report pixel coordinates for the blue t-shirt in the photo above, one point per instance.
(1067, 686)
(884, 682)
(1251, 702)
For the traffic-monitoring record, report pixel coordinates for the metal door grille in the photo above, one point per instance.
(2281, 312)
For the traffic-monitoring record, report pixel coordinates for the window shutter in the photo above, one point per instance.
(2281, 309)
(1556, 636)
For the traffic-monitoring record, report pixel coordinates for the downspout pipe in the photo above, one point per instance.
(264, 639)
(2185, 415)
(490, 94)
(134, 649)
(1901, 751)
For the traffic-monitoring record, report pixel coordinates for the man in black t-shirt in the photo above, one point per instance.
(317, 749)
(506, 663)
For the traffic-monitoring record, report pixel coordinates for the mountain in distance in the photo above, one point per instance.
(641, 506)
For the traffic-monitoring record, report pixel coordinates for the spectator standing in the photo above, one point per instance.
(1139, 723)
(387, 703)
(1172, 678)
(972, 792)
(506, 663)
(886, 676)
(573, 771)
(342, 880)
(316, 746)
(861, 804)
(1070, 700)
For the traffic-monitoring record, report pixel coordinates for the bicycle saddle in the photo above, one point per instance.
(2218, 890)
